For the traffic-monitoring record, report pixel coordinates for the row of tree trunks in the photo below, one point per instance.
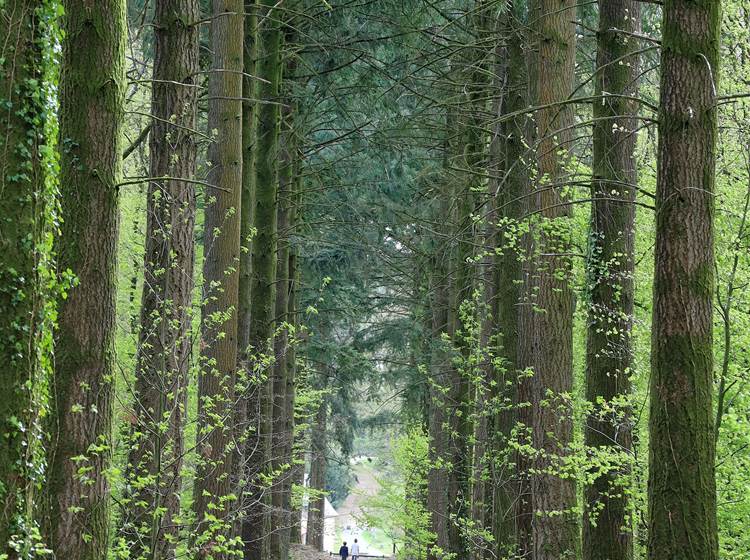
(92, 87)
(545, 521)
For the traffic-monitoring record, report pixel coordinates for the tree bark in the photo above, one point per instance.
(554, 526)
(610, 268)
(508, 189)
(318, 460)
(248, 413)
(438, 501)
(282, 416)
(91, 116)
(296, 456)
(218, 360)
(257, 526)
(24, 232)
(682, 489)
(164, 345)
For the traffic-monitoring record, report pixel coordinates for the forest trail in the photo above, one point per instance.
(304, 552)
(367, 486)
(349, 514)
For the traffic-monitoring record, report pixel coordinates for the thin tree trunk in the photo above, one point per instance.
(554, 527)
(218, 366)
(439, 385)
(164, 345)
(257, 526)
(249, 451)
(91, 116)
(522, 80)
(508, 191)
(318, 460)
(281, 417)
(682, 488)
(609, 353)
(24, 208)
(296, 475)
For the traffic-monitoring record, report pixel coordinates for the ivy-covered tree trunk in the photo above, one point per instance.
(91, 115)
(213, 505)
(609, 354)
(164, 345)
(256, 527)
(554, 526)
(682, 490)
(25, 206)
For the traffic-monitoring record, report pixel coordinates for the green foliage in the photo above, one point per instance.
(399, 508)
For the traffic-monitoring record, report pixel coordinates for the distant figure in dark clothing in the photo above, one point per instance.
(344, 551)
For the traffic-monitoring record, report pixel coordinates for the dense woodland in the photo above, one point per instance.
(511, 235)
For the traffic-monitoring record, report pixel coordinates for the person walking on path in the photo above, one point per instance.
(355, 550)
(344, 551)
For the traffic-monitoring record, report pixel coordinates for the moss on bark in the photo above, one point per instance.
(682, 492)
(91, 115)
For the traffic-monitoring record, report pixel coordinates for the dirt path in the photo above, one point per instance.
(366, 486)
(349, 513)
(301, 552)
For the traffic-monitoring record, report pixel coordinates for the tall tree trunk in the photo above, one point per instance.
(164, 345)
(296, 475)
(508, 189)
(522, 87)
(554, 527)
(318, 459)
(280, 414)
(682, 488)
(256, 527)
(609, 353)
(248, 413)
(91, 116)
(24, 227)
(218, 365)
(439, 384)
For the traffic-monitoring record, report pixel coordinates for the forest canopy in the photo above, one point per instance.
(487, 258)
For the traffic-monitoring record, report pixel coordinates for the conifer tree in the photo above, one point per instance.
(214, 498)
(553, 495)
(609, 353)
(164, 345)
(25, 207)
(682, 488)
(91, 117)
